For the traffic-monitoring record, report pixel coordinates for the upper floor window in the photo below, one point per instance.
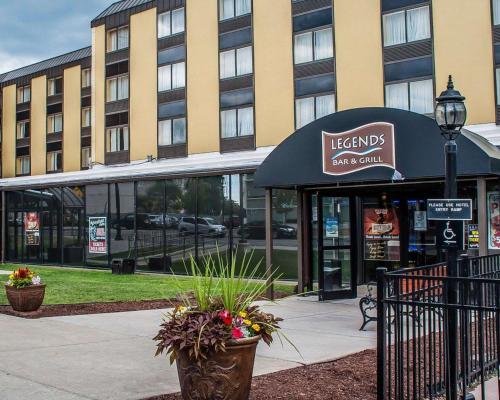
(234, 8)
(54, 123)
(23, 165)
(117, 88)
(171, 76)
(85, 117)
(237, 122)
(117, 139)
(85, 157)
(54, 161)
(55, 86)
(86, 77)
(313, 46)
(117, 39)
(416, 96)
(23, 94)
(23, 130)
(309, 109)
(236, 62)
(172, 131)
(406, 26)
(496, 12)
(171, 22)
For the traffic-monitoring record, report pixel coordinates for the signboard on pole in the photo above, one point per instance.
(449, 209)
(97, 235)
(450, 234)
(32, 229)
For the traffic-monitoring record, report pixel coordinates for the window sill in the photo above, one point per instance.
(117, 50)
(395, 46)
(230, 78)
(55, 171)
(173, 35)
(303, 64)
(235, 17)
(21, 175)
(116, 101)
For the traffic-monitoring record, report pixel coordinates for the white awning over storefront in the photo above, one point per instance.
(207, 163)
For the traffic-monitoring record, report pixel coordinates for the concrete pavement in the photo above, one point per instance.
(110, 356)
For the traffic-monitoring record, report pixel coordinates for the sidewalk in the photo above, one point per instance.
(110, 356)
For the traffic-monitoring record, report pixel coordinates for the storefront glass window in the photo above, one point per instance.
(493, 215)
(122, 229)
(74, 224)
(14, 226)
(51, 223)
(97, 221)
(150, 223)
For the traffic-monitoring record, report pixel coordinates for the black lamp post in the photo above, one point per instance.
(450, 115)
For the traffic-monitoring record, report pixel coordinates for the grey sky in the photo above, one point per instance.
(34, 30)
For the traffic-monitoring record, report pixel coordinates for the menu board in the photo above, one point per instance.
(493, 220)
(32, 229)
(381, 231)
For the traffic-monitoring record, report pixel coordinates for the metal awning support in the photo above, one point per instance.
(269, 243)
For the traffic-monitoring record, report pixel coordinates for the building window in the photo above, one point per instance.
(117, 39)
(171, 76)
(23, 165)
(234, 8)
(238, 122)
(309, 109)
(313, 46)
(54, 161)
(23, 130)
(85, 157)
(496, 12)
(85, 117)
(117, 88)
(54, 86)
(54, 123)
(497, 75)
(23, 94)
(86, 78)
(417, 96)
(172, 131)
(171, 23)
(236, 62)
(117, 139)
(406, 26)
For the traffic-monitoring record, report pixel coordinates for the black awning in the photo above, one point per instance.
(306, 157)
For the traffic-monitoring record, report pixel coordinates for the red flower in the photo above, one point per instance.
(237, 333)
(226, 317)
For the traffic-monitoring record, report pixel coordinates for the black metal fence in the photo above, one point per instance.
(412, 330)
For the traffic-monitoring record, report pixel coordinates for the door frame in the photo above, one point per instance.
(347, 293)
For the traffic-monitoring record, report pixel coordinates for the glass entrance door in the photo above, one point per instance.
(335, 248)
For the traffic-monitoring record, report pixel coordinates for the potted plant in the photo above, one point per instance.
(25, 291)
(213, 338)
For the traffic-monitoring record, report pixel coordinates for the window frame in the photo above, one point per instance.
(313, 32)
(20, 160)
(55, 86)
(170, 22)
(110, 128)
(53, 116)
(89, 109)
(86, 71)
(58, 158)
(113, 30)
(171, 76)
(235, 61)
(85, 165)
(408, 82)
(25, 122)
(252, 106)
(116, 77)
(219, 9)
(171, 121)
(406, 9)
(314, 96)
(23, 88)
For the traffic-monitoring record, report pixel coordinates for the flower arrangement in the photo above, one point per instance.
(23, 277)
(222, 312)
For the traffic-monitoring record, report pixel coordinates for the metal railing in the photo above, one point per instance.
(412, 361)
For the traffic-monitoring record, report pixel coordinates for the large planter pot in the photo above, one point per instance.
(223, 376)
(25, 299)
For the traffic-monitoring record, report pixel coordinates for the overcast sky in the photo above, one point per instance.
(34, 30)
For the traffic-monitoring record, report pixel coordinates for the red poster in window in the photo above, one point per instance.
(32, 228)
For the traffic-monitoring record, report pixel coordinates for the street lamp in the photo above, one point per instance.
(450, 116)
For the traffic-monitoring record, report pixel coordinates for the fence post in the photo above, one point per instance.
(381, 331)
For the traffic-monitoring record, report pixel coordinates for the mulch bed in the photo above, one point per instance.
(352, 377)
(57, 310)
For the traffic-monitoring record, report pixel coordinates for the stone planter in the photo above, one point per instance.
(25, 299)
(223, 376)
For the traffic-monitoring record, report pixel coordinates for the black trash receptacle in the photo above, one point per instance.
(123, 266)
(116, 266)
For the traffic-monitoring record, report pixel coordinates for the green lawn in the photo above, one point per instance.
(70, 286)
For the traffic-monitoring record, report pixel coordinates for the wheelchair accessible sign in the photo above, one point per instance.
(451, 214)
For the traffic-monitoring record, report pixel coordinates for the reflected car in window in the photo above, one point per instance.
(206, 226)
(257, 230)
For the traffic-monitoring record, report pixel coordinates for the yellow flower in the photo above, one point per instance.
(256, 327)
(182, 309)
(242, 314)
(247, 322)
(11, 276)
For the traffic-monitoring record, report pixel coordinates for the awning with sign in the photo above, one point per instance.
(368, 145)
